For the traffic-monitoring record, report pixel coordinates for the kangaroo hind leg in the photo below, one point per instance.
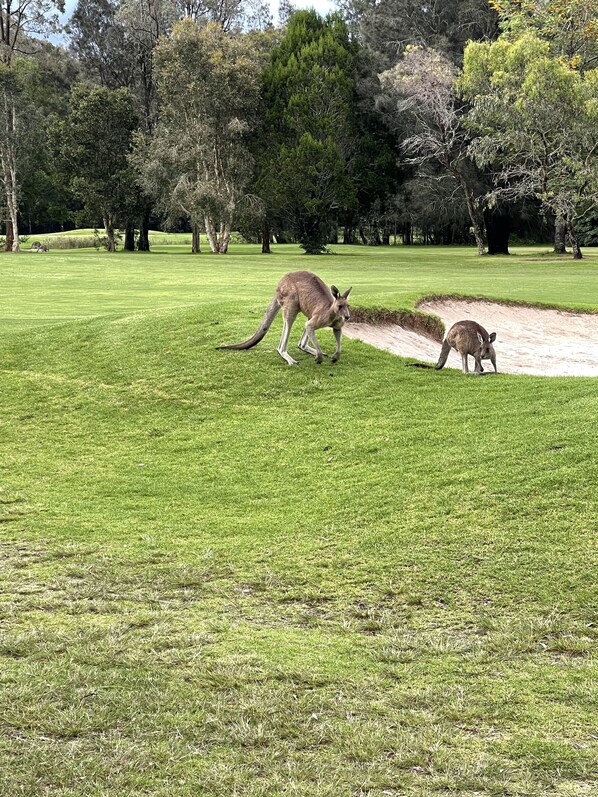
(288, 319)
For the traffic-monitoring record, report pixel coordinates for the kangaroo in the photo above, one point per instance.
(303, 292)
(468, 337)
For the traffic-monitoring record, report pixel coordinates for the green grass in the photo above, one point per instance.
(71, 285)
(220, 575)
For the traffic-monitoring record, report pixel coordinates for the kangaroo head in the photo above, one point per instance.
(486, 347)
(340, 306)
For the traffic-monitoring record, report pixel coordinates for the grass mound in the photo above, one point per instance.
(224, 574)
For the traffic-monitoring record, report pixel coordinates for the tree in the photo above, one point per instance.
(388, 27)
(115, 40)
(309, 94)
(92, 144)
(570, 26)
(571, 29)
(536, 122)
(422, 87)
(45, 81)
(198, 158)
(22, 19)
(99, 41)
(19, 19)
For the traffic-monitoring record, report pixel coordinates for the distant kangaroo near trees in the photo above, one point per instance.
(303, 292)
(468, 337)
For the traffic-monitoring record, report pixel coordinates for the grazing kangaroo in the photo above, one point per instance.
(468, 337)
(303, 292)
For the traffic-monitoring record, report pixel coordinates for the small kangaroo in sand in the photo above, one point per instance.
(468, 337)
(303, 292)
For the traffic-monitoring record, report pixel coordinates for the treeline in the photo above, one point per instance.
(453, 122)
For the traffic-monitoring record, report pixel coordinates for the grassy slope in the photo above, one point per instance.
(222, 575)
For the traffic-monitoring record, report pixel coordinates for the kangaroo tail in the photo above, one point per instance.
(267, 320)
(444, 353)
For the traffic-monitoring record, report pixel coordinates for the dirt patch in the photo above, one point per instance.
(529, 340)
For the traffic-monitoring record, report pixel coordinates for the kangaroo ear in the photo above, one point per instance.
(335, 291)
(480, 338)
(492, 337)
(347, 292)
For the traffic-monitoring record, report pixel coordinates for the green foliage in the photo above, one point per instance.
(309, 91)
(536, 120)
(99, 38)
(197, 160)
(569, 26)
(92, 146)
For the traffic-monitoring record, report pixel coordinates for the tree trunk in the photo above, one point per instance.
(9, 236)
(362, 235)
(349, 235)
(129, 244)
(266, 238)
(407, 234)
(498, 229)
(559, 235)
(478, 230)
(195, 239)
(109, 230)
(225, 232)
(211, 233)
(572, 235)
(9, 169)
(143, 244)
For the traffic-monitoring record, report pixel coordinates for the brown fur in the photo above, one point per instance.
(469, 338)
(303, 292)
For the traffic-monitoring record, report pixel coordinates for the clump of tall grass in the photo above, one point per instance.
(67, 242)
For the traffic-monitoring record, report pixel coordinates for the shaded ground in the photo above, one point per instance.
(529, 340)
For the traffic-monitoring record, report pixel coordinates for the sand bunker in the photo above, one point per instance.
(529, 340)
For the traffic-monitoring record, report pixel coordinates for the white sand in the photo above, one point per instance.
(529, 340)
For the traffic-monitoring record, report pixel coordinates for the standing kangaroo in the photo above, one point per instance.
(303, 292)
(468, 337)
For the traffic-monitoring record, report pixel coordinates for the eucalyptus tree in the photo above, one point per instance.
(388, 27)
(19, 20)
(535, 117)
(571, 29)
(99, 41)
(419, 92)
(231, 15)
(569, 26)
(198, 160)
(117, 39)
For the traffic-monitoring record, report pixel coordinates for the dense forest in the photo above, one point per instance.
(386, 121)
